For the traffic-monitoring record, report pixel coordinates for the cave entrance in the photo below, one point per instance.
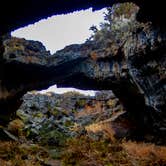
(56, 32)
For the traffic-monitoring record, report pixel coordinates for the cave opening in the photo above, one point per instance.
(35, 74)
(55, 33)
(59, 31)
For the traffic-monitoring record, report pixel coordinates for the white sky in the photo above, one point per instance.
(56, 32)
(63, 90)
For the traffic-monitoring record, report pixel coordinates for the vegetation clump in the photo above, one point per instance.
(84, 151)
(19, 154)
(16, 127)
(120, 23)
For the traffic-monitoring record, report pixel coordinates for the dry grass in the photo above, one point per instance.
(110, 128)
(126, 9)
(16, 126)
(84, 151)
(16, 154)
(104, 127)
(93, 55)
(97, 108)
(31, 59)
(145, 154)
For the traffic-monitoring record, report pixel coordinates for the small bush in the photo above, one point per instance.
(16, 127)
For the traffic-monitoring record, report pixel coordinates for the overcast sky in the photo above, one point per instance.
(56, 32)
(63, 90)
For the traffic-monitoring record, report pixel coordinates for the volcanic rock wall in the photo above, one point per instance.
(130, 60)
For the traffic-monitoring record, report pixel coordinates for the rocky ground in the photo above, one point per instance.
(51, 118)
(73, 129)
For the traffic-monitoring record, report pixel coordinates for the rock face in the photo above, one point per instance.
(19, 57)
(129, 59)
(132, 64)
(50, 118)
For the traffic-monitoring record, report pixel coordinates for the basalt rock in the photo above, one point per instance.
(129, 59)
(19, 58)
(50, 117)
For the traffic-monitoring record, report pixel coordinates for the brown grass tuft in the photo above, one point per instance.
(16, 127)
(16, 154)
(145, 154)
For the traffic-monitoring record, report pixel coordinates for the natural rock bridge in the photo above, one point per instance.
(134, 70)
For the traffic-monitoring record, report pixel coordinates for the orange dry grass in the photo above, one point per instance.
(31, 59)
(16, 126)
(94, 55)
(104, 127)
(146, 152)
(16, 154)
(109, 127)
(91, 110)
(84, 151)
